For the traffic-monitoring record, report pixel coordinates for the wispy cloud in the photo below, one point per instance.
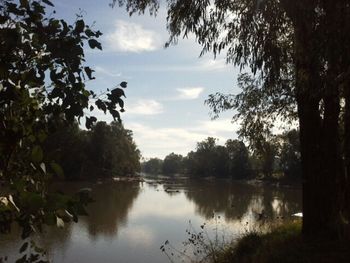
(212, 64)
(107, 72)
(132, 37)
(201, 65)
(145, 107)
(189, 93)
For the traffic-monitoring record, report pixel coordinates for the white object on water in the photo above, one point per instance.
(300, 214)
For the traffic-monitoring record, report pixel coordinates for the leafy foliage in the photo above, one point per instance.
(152, 166)
(43, 80)
(104, 151)
(256, 108)
(172, 164)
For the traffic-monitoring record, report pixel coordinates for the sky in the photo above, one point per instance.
(167, 87)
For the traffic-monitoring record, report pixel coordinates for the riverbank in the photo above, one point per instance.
(284, 244)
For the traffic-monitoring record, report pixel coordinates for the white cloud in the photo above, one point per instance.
(161, 141)
(220, 125)
(190, 93)
(132, 37)
(145, 107)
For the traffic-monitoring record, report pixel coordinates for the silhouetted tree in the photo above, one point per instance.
(172, 164)
(290, 158)
(239, 163)
(152, 166)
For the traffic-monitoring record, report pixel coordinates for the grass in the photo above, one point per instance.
(284, 245)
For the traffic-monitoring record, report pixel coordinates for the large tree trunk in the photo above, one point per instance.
(346, 208)
(345, 83)
(318, 110)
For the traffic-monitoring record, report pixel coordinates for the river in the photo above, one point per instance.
(130, 221)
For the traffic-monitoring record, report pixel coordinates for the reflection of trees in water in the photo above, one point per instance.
(54, 238)
(280, 202)
(110, 209)
(210, 197)
(235, 199)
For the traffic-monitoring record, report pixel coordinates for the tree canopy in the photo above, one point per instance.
(280, 161)
(105, 151)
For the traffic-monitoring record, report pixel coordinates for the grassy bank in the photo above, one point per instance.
(284, 245)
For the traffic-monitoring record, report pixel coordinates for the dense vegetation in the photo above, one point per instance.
(104, 151)
(283, 244)
(43, 89)
(279, 159)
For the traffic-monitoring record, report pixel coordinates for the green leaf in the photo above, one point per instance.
(121, 103)
(37, 154)
(23, 247)
(89, 33)
(101, 105)
(118, 92)
(57, 169)
(79, 26)
(48, 2)
(22, 259)
(89, 121)
(93, 43)
(115, 115)
(89, 71)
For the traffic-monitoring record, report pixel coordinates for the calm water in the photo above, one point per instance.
(130, 221)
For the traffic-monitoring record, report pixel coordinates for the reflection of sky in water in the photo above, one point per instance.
(129, 223)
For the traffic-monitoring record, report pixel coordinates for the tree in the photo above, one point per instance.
(172, 164)
(68, 146)
(208, 160)
(152, 166)
(104, 151)
(43, 80)
(204, 159)
(298, 52)
(239, 167)
(290, 155)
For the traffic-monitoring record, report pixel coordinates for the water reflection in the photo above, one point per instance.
(226, 198)
(129, 221)
(235, 200)
(110, 211)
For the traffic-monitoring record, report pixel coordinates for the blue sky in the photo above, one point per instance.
(166, 87)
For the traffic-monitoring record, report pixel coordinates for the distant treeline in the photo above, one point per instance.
(106, 150)
(278, 158)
